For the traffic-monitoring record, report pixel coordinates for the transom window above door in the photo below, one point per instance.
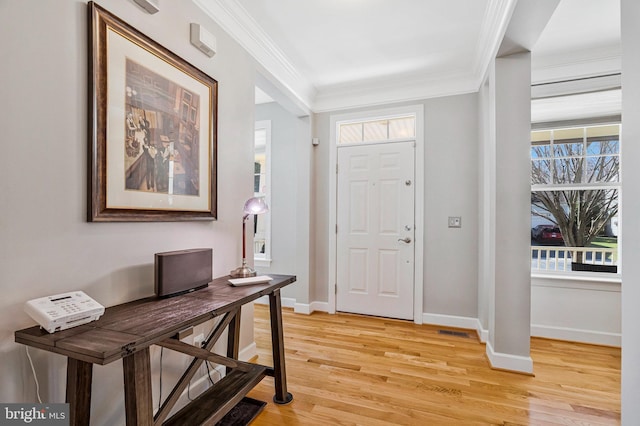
(377, 130)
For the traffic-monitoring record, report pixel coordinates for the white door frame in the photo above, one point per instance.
(418, 272)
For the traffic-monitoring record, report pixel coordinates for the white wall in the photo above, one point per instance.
(576, 310)
(47, 246)
(290, 174)
(630, 205)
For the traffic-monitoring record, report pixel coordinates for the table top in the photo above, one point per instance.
(130, 327)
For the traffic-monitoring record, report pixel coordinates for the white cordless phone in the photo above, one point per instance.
(62, 311)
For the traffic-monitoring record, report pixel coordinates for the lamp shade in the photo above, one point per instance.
(256, 205)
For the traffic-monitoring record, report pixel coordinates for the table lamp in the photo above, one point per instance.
(253, 206)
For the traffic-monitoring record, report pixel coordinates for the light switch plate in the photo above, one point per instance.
(455, 222)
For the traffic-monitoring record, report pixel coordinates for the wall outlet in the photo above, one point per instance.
(198, 339)
(455, 222)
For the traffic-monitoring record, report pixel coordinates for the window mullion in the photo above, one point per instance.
(583, 178)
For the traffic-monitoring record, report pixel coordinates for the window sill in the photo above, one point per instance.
(261, 263)
(577, 280)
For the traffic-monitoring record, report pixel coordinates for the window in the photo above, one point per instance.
(262, 188)
(391, 128)
(575, 186)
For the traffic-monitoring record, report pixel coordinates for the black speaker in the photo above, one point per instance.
(181, 271)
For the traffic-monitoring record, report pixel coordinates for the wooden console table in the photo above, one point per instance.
(127, 331)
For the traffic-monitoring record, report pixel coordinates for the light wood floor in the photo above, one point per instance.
(352, 370)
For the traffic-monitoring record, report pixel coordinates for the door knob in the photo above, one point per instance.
(405, 240)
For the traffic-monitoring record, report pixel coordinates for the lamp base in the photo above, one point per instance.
(243, 271)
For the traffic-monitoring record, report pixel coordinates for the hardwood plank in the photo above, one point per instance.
(349, 369)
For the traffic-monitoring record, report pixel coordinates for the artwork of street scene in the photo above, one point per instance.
(161, 134)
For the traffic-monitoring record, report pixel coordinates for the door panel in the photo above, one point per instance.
(375, 229)
(357, 271)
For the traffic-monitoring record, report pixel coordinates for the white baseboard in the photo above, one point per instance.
(483, 333)
(286, 302)
(298, 308)
(302, 308)
(248, 352)
(469, 323)
(308, 309)
(319, 306)
(451, 321)
(520, 364)
(577, 335)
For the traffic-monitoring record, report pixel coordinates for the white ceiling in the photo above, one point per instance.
(335, 54)
(582, 39)
(338, 42)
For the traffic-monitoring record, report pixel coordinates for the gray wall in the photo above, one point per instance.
(47, 246)
(512, 292)
(320, 208)
(451, 175)
(630, 212)
(451, 168)
(290, 169)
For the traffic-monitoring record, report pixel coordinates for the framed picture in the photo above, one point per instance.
(152, 129)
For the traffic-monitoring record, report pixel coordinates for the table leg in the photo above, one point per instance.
(233, 337)
(277, 344)
(138, 404)
(79, 375)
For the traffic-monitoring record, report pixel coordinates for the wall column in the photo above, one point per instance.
(508, 346)
(630, 205)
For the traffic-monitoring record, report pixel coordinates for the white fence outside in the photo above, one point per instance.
(552, 258)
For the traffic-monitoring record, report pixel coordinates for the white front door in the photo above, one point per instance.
(375, 218)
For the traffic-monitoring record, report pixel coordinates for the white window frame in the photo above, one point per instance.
(387, 118)
(577, 275)
(264, 259)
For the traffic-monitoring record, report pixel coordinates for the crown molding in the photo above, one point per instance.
(494, 26)
(387, 91)
(236, 21)
(576, 64)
